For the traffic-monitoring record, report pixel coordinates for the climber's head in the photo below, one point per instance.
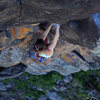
(40, 45)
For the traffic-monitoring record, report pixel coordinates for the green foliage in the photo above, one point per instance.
(92, 77)
(82, 77)
(88, 76)
(44, 82)
(33, 93)
(78, 89)
(6, 81)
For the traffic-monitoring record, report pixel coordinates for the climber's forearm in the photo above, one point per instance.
(54, 42)
(46, 32)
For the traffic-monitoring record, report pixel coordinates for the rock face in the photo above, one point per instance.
(79, 34)
(55, 11)
(12, 71)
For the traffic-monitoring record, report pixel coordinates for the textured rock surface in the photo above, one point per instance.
(73, 51)
(54, 11)
(54, 96)
(9, 11)
(12, 71)
(2, 87)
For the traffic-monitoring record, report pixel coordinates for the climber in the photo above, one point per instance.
(42, 46)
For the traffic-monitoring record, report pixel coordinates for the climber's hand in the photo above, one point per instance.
(58, 26)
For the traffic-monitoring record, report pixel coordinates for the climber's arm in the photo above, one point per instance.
(46, 32)
(54, 42)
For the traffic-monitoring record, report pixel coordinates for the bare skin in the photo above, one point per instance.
(52, 45)
(56, 37)
(54, 42)
(45, 33)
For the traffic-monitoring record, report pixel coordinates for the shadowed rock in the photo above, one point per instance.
(12, 71)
